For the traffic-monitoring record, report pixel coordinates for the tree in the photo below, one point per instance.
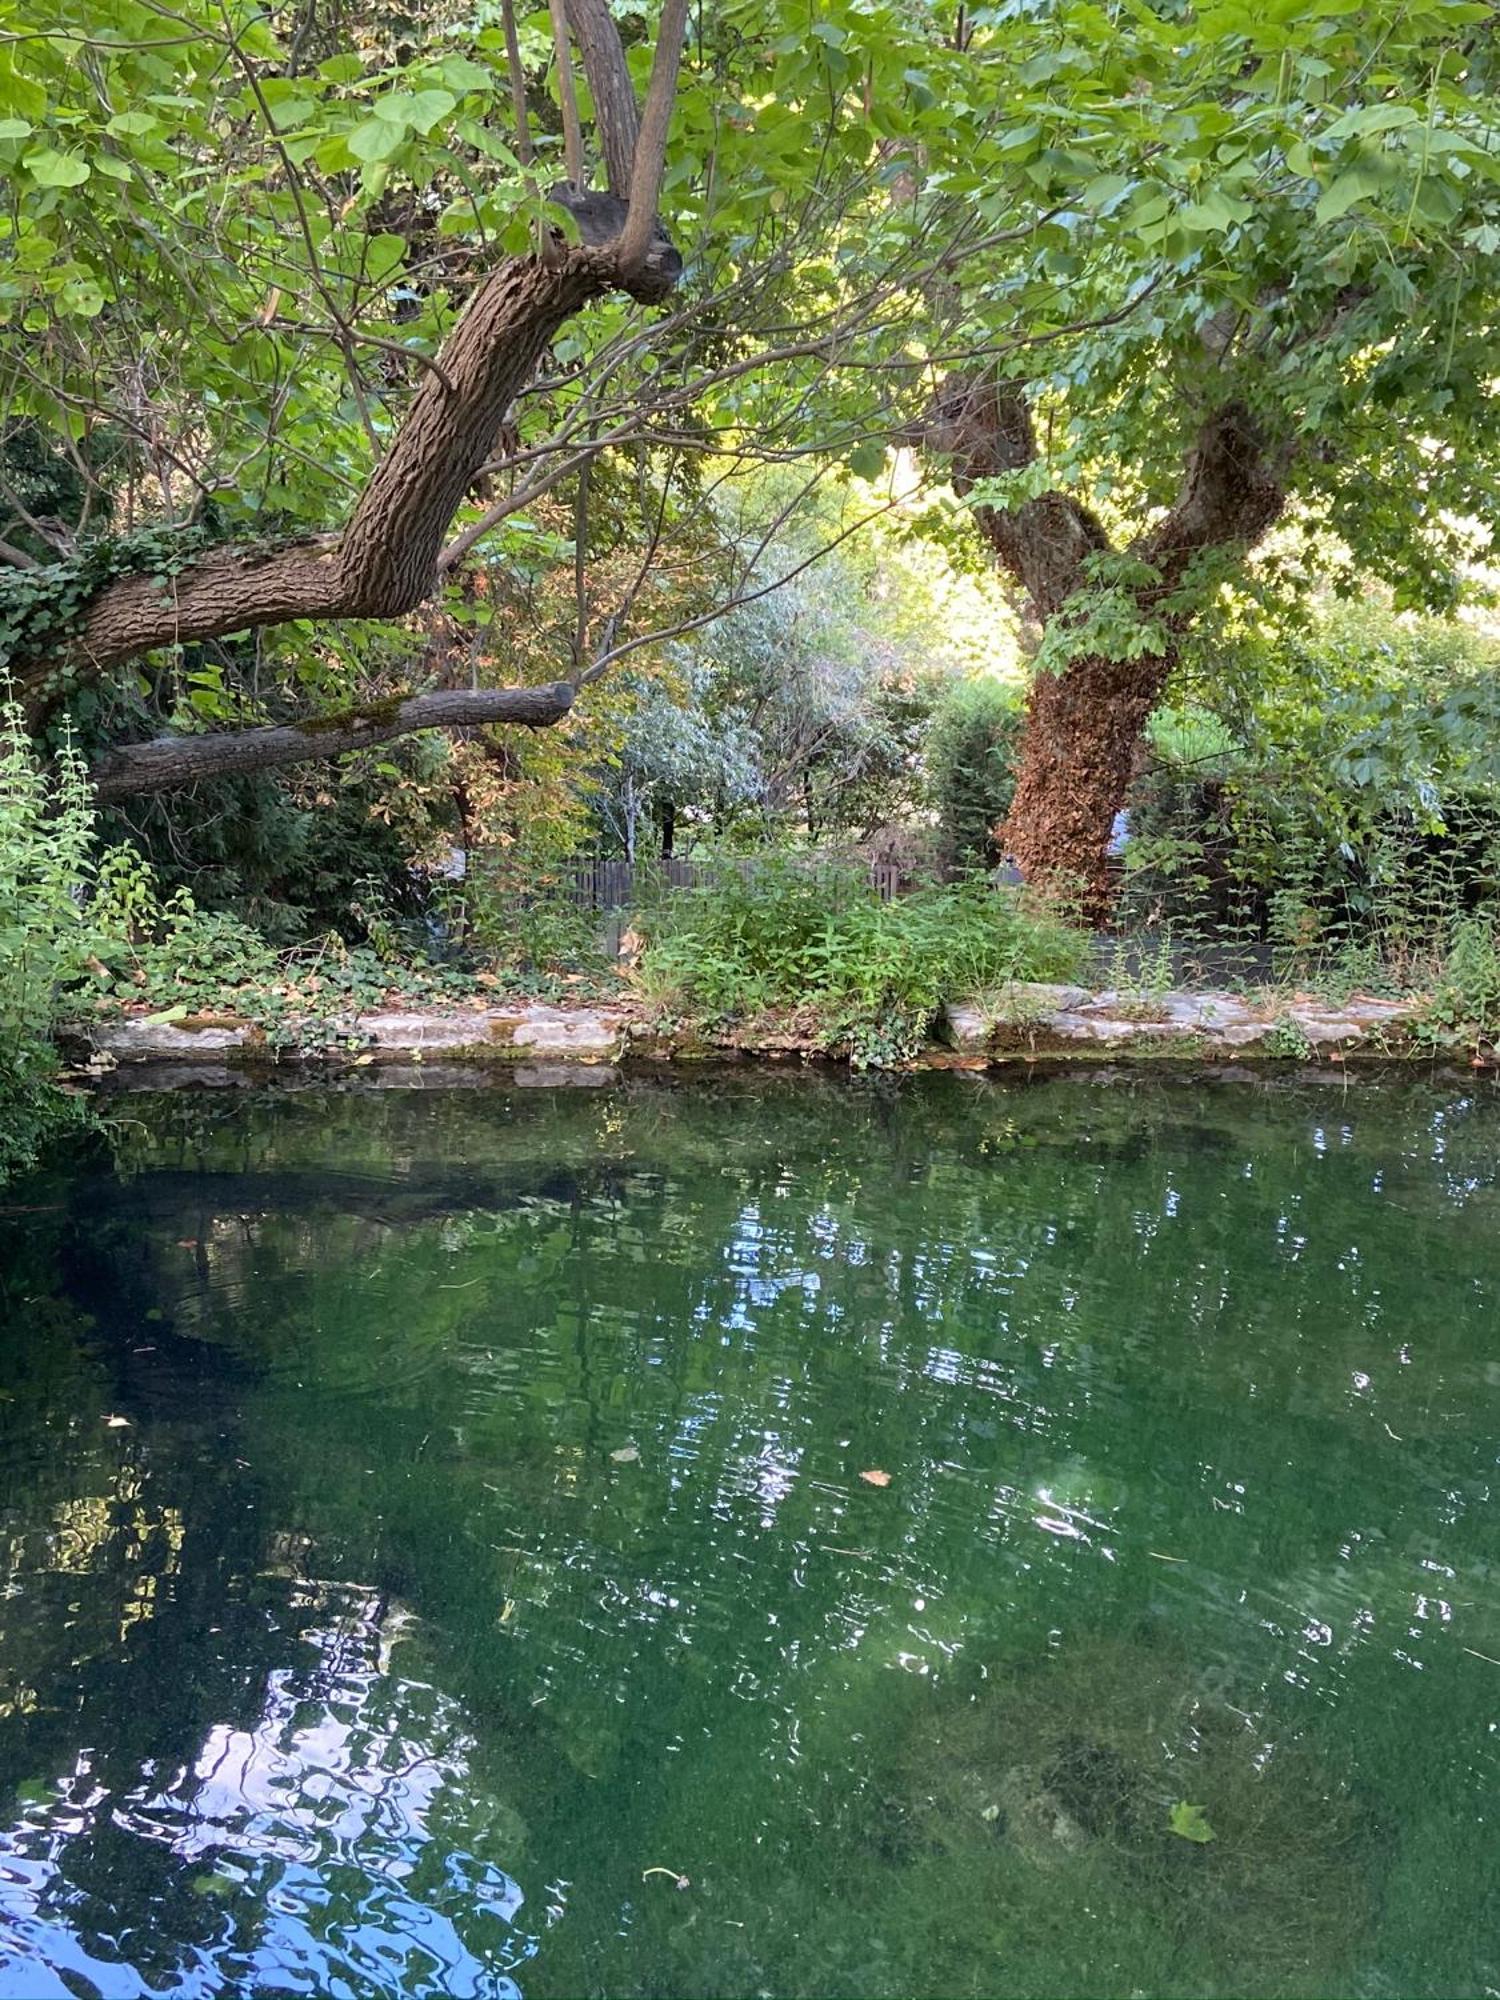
(1289, 270)
(1158, 279)
(385, 560)
(238, 260)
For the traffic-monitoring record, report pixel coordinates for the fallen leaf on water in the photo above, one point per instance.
(626, 1455)
(1189, 1824)
(117, 1423)
(875, 1477)
(213, 1885)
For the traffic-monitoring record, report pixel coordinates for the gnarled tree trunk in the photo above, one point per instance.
(1084, 722)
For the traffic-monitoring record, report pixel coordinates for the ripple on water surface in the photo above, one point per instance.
(923, 1538)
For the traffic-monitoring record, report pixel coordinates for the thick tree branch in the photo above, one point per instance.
(650, 159)
(616, 120)
(983, 429)
(1233, 491)
(386, 560)
(167, 763)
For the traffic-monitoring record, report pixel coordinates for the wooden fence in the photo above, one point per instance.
(599, 884)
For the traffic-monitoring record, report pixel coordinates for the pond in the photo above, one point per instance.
(742, 1536)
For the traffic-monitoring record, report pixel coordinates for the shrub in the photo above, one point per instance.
(817, 940)
(971, 751)
(1465, 1003)
(46, 828)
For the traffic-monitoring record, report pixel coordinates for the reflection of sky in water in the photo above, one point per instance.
(303, 1855)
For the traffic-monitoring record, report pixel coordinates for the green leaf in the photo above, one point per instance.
(15, 128)
(219, 1886)
(415, 109)
(430, 107)
(463, 76)
(1216, 212)
(376, 139)
(1344, 191)
(1367, 118)
(1188, 1823)
(132, 125)
(383, 255)
(1102, 194)
(82, 297)
(53, 169)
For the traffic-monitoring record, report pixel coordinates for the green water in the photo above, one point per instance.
(438, 1557)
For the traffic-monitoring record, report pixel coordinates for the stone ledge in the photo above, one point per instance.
(526, 1034)
(1022, 1023)
(1043, 1018)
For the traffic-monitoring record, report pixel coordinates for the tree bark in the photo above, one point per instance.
(1083, 723)
(385, 561)
(168, 763)
(1076, 755)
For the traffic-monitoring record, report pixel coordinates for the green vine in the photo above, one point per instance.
(41, 610)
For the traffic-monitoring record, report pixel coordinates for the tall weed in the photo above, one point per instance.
(860, 972)
(46, 832)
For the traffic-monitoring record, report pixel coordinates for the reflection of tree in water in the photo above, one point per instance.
(303, 1850)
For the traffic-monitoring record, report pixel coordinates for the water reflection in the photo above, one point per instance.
(1182, 1410)
(320, 1847)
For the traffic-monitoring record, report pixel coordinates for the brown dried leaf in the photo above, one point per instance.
(875, 1477)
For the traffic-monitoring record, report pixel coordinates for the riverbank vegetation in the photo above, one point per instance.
(436, 462)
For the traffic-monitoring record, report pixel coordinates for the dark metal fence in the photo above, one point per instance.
(599, 884)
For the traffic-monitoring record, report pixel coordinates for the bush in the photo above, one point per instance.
(514, 911)
(971, 750)
(1465, 1004)
(46, 828)
(817, 941)
(1353, 816)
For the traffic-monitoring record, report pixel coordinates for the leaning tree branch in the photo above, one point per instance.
(386, 559)
(616, 118)
(650, 158)
(168, 763)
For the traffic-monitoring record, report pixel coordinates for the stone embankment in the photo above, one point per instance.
(1018, 1024)
(1029, 1018)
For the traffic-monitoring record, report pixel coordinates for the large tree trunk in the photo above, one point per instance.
(1077, 753)
(1083, 723)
